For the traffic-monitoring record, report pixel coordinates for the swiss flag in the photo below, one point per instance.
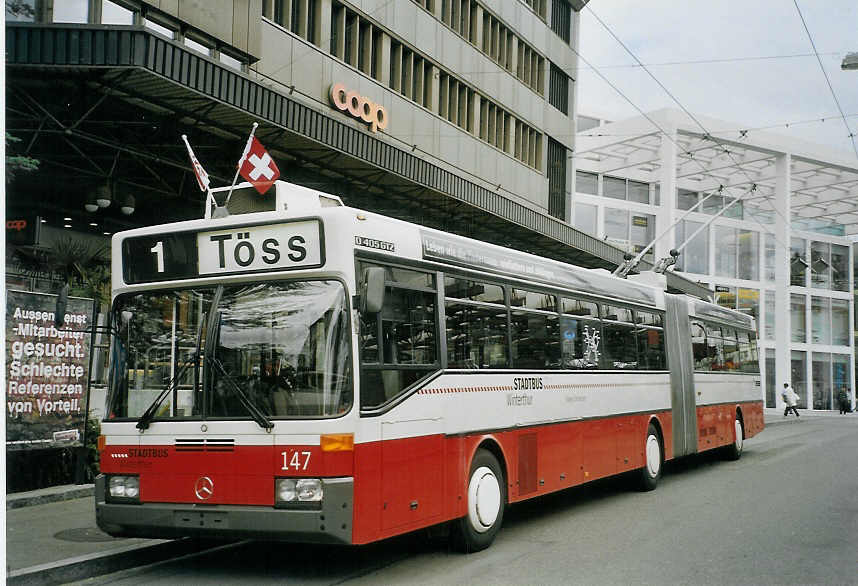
(258, 167)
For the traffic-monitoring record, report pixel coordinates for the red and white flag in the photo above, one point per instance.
(199, 172)
(258, 167)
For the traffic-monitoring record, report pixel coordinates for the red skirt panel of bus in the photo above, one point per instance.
(406, 484)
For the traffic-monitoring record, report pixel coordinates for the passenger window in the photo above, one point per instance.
(732, 360)
(620, 344)
(473, 290)
(476, 335)
(534, 340)
(699, 348)
(579, 307)
(651, 349)
(748, 351)
(533, 300)
(714, 348)
(580, 343)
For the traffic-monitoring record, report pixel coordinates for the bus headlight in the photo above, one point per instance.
(298, 493)
(123, 488)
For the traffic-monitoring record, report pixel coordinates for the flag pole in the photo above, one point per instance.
(241, 162)
(200, 180)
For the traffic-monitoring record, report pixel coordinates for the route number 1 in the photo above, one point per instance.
(158, 251)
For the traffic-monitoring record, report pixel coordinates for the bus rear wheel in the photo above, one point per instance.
(734, 450)
(653, 460)
(486, 499)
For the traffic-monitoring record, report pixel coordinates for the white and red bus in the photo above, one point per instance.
(302, 370)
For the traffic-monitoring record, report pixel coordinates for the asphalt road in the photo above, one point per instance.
(786, 513)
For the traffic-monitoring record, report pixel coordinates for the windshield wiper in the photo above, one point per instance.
(258, 416)
(172, 385)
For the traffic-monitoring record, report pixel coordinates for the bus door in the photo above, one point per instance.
(681, 363)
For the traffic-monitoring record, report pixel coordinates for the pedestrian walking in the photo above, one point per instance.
(791, 399)
(843, 399)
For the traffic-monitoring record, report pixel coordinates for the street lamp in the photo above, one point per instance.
(850, 61)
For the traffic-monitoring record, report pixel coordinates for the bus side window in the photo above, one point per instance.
(581, 344)
(699, 348)
(650, 339)
(534, 331)
(748, 350)
(732, 358)
(620, 344)
(714, 347)
(476, 324)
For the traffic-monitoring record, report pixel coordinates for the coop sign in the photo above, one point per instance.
(359, 106)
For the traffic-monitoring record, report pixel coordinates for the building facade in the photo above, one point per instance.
(762, 220)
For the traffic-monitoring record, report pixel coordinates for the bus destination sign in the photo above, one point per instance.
(241, 249)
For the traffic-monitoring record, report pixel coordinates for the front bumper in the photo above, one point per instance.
(331, 524)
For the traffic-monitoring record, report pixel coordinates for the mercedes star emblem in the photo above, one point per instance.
(204, 488)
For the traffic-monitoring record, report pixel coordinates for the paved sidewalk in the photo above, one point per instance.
(52, 538)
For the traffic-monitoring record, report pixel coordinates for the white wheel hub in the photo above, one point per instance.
(653, 455)
(484, 499)
(739, 439)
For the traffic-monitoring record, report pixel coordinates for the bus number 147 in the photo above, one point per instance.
(294, 462)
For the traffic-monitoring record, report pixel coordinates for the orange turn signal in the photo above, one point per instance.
(338, 442)
(102, 441)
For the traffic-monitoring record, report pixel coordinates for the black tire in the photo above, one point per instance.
(487, 485)
(649, 475)
(734, 450)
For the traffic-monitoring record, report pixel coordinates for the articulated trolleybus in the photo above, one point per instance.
(300, 370)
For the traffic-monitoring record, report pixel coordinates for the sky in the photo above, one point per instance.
(665, 35)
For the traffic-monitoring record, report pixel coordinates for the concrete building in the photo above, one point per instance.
(783, 249)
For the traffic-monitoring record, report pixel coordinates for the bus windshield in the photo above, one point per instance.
(284, 345)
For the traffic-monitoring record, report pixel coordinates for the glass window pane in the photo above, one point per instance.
(699, 348)
(638, 191)
(613, 187)
(161, 30)
(694, 258)
(771, 401)
(725, 251)
(732, 360)
(748, 352)
(770, 315)
(798, 262)
(821, 377)
(378, 386)
(820, 265)
(476, 336)
(533, 300)
(840, 267)
(614, 313)
(651, 349)
(725, 296)
(840, 379)
(229, 61)
(114, 14)
(620, 346)
(769, 269)
(798, 370)
(798, 320)
(21, 11)
(409, 278)
(617, 225)
(685, 199)
(71, 11)
(579, 307)
(198, 47)
(642, 232)
(473, 290)
(408, 327)
(840, 322)
(535, 340)
(585, 217)
(649, 318)
(749, 303)
(581, 343)
(586, 183)
(711, 204)
(749, 255)
(820, 320)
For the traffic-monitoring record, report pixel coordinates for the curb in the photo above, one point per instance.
(91, 565)
(49, 495)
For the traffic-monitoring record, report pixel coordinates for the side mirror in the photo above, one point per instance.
(62, 304)
(372, 290)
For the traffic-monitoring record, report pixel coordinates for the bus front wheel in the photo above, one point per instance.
(654, 459)
(486, 500)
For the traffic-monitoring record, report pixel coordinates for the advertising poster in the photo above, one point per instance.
(47, 370)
